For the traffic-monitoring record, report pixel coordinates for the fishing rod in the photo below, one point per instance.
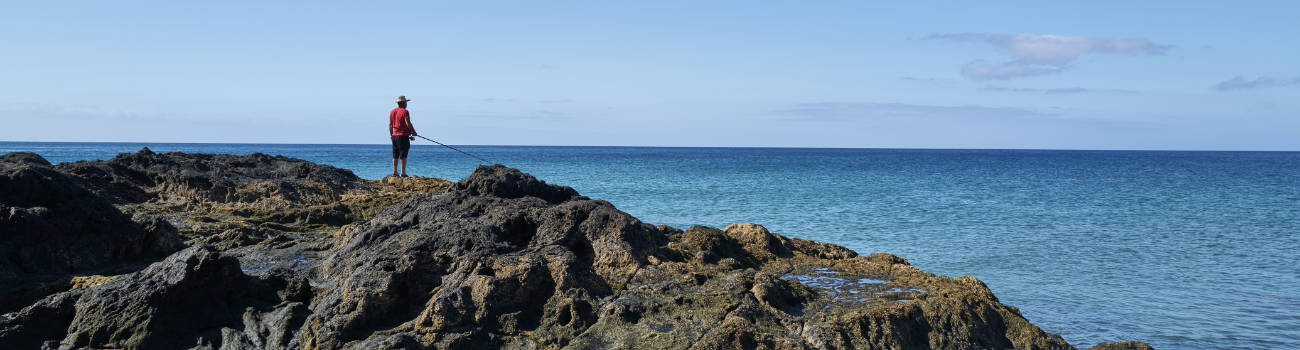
(454, 149)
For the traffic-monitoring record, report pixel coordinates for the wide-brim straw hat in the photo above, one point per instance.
(401, 99)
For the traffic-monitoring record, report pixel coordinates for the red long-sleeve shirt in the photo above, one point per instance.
(399, 122)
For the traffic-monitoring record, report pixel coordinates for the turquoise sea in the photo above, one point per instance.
(1184, 250)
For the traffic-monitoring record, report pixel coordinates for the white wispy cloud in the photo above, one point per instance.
(981, 70)
(1040, 54)
(854, 110)
(1055, 91)
(1241, 83)
(76, 111)
(519, 116)
(919, 79)
(1048, 48)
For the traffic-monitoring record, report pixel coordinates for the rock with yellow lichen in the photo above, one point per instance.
(504, 260)
(232, 201)
(80, 282)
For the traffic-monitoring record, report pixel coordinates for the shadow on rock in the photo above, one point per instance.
(52, 227)
(195, 297)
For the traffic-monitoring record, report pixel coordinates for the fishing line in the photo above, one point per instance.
(454, 149)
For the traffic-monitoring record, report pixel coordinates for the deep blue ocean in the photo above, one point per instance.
(1184, 250)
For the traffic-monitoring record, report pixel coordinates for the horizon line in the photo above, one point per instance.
(644, 146)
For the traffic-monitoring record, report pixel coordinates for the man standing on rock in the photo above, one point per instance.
(399, 126)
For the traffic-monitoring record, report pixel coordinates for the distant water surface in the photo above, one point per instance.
(1184, 250)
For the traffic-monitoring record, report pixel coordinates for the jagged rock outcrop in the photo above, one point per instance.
(194, 298)
(24, 158)
(53, 227)
(503, 260)
(182, 178)
(234, 201)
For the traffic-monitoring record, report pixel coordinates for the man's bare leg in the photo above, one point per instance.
(403, 166)
(395, 166)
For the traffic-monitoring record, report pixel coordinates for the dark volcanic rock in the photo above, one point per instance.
(234, 201)
(52, 227)
(503, 260)
(194, 297)
(482, 264)
(180, 178)
(24, 158)
(503, 182)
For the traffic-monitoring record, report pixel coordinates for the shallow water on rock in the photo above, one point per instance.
(1094, 245)
(257, 262)
(841, 287)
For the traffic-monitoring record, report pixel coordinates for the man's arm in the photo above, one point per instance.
(412, 126)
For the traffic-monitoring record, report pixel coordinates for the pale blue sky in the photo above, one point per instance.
(1086, 75)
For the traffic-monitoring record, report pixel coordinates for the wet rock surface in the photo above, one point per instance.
(504, 260)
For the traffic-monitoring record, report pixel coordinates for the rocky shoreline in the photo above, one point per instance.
(174, 251)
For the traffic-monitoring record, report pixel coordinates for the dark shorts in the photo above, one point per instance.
(401, 146)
